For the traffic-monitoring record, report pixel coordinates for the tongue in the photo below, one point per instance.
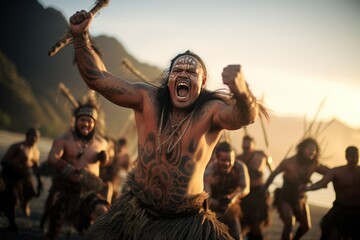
(182, 92)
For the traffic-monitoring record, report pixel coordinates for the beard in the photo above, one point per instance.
(80, 136)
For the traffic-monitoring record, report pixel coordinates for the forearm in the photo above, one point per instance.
(245, 106)
(241, 112)
(62, 167)
(90, 65)
(318, 185)
(239, 193)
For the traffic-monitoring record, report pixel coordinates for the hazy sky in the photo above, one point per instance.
(294, 53)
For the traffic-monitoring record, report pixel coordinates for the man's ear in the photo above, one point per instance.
(203, 82)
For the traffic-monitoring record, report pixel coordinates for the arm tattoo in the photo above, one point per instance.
(112, 89)
(230, 118)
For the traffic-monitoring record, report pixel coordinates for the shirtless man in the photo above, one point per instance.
(255, 207)
(342, 220)
(17, 164)
(178, 126)
(297, 172)
(76, 157)
(227, 181)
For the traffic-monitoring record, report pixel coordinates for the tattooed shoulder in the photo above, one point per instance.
(152, 96)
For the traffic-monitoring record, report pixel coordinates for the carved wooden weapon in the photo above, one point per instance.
(67, 39)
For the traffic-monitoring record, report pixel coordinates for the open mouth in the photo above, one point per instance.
(182, 89)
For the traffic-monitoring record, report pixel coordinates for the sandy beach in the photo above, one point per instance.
(29, 227)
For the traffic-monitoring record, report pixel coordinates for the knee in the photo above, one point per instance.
(288, 225)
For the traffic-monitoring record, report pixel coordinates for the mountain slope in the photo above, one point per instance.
(29, 32)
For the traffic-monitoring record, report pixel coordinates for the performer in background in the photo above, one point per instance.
(78, 195)
(256, 206)
(342, 220)
(19, 164)
(227, 181)
(289, 201)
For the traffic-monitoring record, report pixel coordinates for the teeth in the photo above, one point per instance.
(182, 84)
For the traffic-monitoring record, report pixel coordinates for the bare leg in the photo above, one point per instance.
(305, 221)
(287, 216)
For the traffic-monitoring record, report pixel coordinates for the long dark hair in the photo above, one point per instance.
(301, 147)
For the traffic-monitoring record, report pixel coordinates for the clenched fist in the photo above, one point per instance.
(80, 22)
(101, 156)
(233, 77)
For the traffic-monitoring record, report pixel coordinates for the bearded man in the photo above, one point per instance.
(178, 126)
(78, 195)
(290, 200)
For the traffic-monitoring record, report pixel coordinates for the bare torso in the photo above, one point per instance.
(171, 177)
(88, 159)
(256, 162)
(297, 172)
(22, 156)
(347, 185)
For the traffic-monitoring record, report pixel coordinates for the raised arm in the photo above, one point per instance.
(244, 109)
(94, 72)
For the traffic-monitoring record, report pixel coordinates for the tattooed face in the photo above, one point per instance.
(186, 80)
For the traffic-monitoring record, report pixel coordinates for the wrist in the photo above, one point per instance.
(81, 40)
(63, 168)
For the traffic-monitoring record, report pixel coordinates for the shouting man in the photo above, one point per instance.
(178, 126)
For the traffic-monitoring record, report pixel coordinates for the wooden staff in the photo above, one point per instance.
(133, 70)
(66, 92)
(67, 39)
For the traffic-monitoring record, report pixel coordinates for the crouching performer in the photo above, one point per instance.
(78, 195)
(227, 181)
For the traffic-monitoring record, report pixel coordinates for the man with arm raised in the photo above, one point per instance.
(178, 125)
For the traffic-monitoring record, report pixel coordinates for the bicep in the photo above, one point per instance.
(121, 92)
(224, 117)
